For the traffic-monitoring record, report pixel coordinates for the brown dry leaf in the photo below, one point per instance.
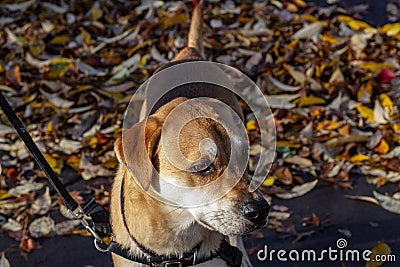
(284, 175)
(27, 244)
(13, 76)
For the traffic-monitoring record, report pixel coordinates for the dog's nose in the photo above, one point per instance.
(255, 211)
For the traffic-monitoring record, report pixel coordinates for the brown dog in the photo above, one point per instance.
(141, 223)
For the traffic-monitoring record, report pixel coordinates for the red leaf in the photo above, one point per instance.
(385, 76)
(11, 173)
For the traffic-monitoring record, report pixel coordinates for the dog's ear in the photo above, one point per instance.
(135, 149)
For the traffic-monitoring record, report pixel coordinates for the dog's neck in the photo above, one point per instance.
(164, 229)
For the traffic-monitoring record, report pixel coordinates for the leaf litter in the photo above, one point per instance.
(332, 82)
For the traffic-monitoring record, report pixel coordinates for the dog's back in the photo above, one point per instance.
(193, 52)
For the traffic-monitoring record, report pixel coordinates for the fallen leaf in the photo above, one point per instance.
(379, 113)
(385, 76)
(366, 113)
(12, 225)
(279, 215)
(58, 101)
(13, 76)
(359, 159)
(281, 101)
(363, 198)
(66, 227)
(41, 227)
(4, 262)
(388, 203)
(299, 161)
(308, 31)
(25, 187)
(282, 86)
(298, 191)
(383, 147)
(310, 101)
(42, 204)
(380, 251)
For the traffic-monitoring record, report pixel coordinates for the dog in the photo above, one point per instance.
(141, 223)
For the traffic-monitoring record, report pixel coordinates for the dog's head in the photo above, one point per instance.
(236, 212)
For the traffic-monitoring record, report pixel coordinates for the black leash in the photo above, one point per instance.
(73, 207)
(99, 226)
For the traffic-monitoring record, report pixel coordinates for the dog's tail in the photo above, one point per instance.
(195, 32)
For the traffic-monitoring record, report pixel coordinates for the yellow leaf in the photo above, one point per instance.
(359, 158)
(354, 24)
(142, 63)
(382, 148)
(378, 252)
(82, 232)
(386, 103)
(74, 162)
(50, 127)
(96, 13)
(86, 36)
(364, 92)
(56, 164)
(59, 66)
(61, 39)
(269, 181)
(329, 39)
(293, 43)
(4, 194)
(366, 113)
(319, 69)
(287, 144)
(329, 125)
(309, 18)
(395, 128)
(165, 22)
(310, 101)
(110, 163)
(300, 3)
(392, 29)
(251, 125)
(375, 67)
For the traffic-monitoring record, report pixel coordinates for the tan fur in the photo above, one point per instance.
(169, 230)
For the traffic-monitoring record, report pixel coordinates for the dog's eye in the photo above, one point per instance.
(203, 168)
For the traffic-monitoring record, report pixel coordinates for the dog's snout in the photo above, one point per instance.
(255, 211)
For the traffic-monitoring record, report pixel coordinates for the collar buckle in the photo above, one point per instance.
(171, 263)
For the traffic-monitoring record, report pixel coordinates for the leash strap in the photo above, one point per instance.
(72, 206)
(37, 155)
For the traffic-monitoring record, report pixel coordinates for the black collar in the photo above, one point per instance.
(230, 254)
